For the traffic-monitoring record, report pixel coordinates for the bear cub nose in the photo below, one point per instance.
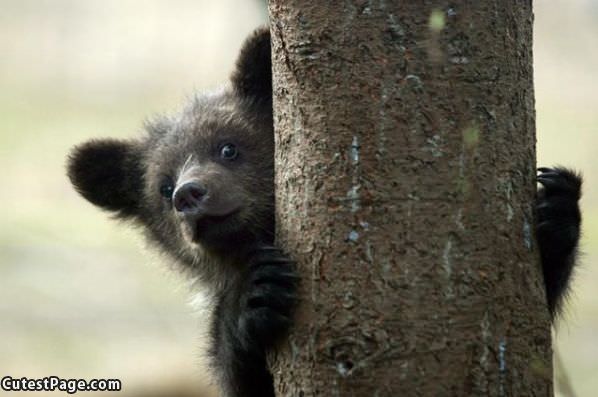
(188, 197)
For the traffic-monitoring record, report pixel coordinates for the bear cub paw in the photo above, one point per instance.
(557, 209)
(268, 298)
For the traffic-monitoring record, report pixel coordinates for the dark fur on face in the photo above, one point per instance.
(127, 176)
(201, 184)
(237, 208)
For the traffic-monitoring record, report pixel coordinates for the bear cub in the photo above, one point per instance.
(200, 183)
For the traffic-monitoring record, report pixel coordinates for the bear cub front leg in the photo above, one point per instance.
(558, 230)
(252, 318)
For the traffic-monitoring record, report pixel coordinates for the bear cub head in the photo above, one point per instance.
(200, 182)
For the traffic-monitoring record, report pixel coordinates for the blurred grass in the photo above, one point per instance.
(79, 296)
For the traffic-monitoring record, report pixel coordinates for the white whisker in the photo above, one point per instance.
(186, 164)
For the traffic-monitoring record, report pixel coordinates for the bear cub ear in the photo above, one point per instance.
(252, 76)
(108, 173)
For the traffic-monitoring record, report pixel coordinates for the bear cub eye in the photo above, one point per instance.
(228, 152)
(167, 188)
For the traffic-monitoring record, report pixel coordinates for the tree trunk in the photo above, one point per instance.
(405, 139)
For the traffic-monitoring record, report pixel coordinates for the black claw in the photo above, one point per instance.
(559, 181)
(549, 175)
(275, 299)
(265, 249)
(544, 205)
(550, 183)
(272, 260)
(544, 169)
(543, 179)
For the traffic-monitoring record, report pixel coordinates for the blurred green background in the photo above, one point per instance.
(80, 296)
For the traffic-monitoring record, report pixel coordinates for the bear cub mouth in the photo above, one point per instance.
(207, 229)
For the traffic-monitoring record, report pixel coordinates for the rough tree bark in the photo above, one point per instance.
(405, 179)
